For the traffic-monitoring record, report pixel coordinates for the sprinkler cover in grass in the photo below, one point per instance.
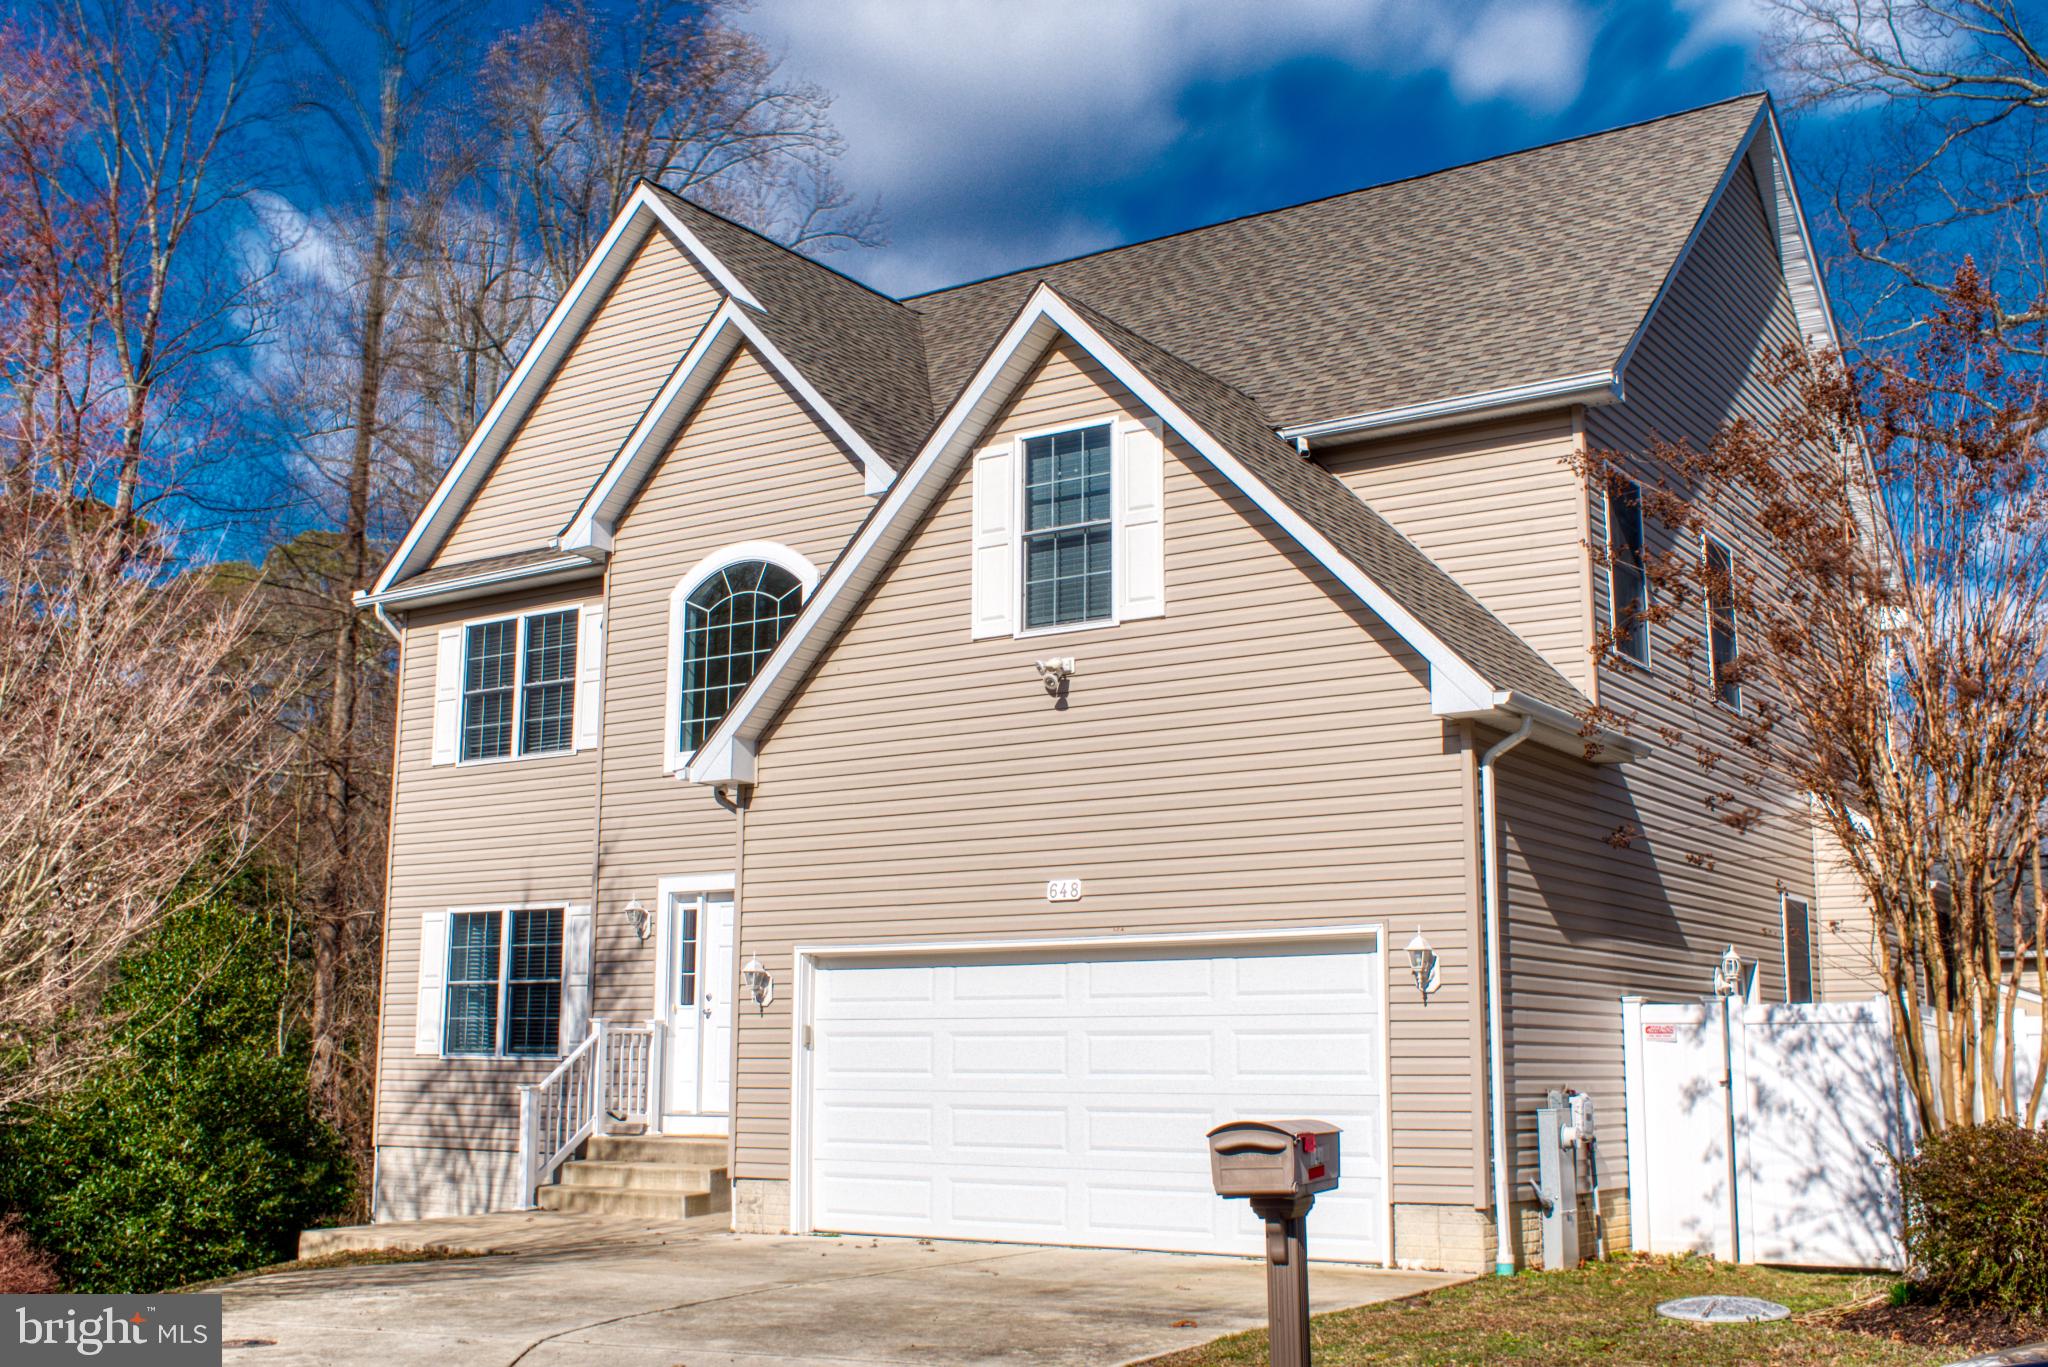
(1722, 1310)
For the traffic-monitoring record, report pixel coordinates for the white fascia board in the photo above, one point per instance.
(596, 521)
(1587, 387)
(1047, 311)
(565, 322)
(1811, 263)
(448, 590)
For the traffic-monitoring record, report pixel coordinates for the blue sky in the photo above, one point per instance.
(1000, 133)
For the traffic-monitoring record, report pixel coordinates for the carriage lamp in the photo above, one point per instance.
(1422, 963)
(758, 981)
(637, 917)
(1728, 974)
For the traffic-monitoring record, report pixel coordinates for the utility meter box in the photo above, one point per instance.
(1274, 1158)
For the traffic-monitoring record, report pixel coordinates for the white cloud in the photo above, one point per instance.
(1533, 53)
(302, 248)
(1715, 23)
(944, 101)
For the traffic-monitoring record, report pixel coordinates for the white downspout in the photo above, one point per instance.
(1503, 1211)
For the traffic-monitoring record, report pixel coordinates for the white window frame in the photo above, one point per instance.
(674, 759)
(574, 681)
(1019, 589)
(505, 910)
(1708, 539)
(1613, 596)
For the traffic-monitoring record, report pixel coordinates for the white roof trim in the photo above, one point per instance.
(636, 218)
(560, 567)
(596, 519)
(1781, 203)
(1591, 387)
(1456, 688)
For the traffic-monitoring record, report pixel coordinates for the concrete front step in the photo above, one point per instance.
(647, 1202)
(587, 1172)
(655, 1148)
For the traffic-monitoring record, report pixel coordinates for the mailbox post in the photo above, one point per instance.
(1279, 1165)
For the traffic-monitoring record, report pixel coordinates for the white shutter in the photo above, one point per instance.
(589, 675)
(448, 696)
(576, 947)
(433, 982)
(1141, 525)
(995, 551)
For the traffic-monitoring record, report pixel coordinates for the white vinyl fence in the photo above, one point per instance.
(1813, 1100)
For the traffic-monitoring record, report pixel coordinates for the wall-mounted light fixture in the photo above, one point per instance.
(1728, 974)
(758, 981)
(638, 918)
(1422, 962)
(1055, 674)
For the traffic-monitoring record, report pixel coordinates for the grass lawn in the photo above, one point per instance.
(1604, 1313)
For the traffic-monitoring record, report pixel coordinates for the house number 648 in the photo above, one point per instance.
(1063, 890)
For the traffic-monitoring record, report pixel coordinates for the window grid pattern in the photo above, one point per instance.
(686, 955)
(731, 624)
(1721, 644)
(549, 683)
(1628, 584)
(490, 656)
(533, 982)
(471, 1024)
(1067, 528)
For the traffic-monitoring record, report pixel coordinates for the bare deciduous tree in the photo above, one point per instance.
(1932, 139)
(1890, 641)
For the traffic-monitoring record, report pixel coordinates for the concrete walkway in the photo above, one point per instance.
(690, 1294)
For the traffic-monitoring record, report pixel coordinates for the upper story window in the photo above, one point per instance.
(1067, 528)
(504, 987)
(519, 684)
(732, 622)
(1628, 586)
(1721, 642)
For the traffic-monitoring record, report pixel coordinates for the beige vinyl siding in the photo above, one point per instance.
(752, 465)
(502, 832)
(1261, 756)
(1499, 507)
(1620, 879)
(1844, 932)
(632, 343)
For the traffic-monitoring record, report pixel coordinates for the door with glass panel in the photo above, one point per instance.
(695, 985)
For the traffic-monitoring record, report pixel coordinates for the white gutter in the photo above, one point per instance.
(1590, 387)
(457, 588)
(1489, 821)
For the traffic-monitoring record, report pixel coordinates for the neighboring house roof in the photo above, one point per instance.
(1530, 266)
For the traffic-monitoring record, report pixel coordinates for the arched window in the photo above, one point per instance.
(731, 623)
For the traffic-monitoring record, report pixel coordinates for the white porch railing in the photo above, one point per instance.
(611, 1078)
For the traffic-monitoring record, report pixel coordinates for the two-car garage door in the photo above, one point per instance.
(1063, 1097)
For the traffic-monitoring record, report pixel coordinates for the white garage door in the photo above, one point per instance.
(1065, 1099)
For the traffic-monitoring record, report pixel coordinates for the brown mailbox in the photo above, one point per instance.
(1274, 1158)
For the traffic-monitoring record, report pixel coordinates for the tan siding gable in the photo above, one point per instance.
(1262, 755)
(1498, 508)
(628, 349)
(752, 465)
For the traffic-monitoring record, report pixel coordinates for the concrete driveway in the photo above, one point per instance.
(691, 1294)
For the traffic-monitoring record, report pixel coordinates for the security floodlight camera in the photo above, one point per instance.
(1055, 673)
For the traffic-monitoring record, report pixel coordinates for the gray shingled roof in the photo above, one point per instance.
(1526, 267)
(1368, 540)
(484, 564)
(862, 350)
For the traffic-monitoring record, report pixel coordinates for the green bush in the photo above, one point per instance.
(1977, 1217)
(193, 1154)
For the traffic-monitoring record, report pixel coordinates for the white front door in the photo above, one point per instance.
(695, 984)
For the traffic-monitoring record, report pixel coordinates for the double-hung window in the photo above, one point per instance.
(1068, 528)
(1721, 641)
(519, 685)
(1628, 586)
(504, 992)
